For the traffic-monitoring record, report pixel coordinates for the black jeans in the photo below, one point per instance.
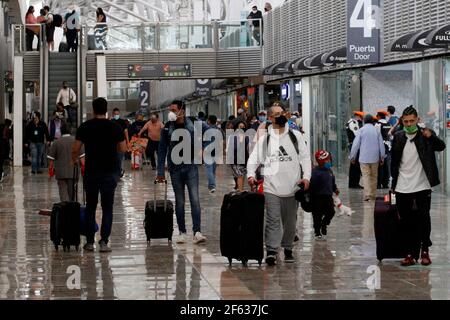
(152, 149)
(72, 40)
(414, 211)
(323, 211)
(105, 184)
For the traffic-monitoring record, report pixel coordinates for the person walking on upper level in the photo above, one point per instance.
(30, 30)
(257, 24)
(100, 30)
(369, 142)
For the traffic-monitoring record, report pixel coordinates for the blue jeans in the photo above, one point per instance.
(211, 173)
(182, 176)
(105, 184)
(37, 150)
(120, 157)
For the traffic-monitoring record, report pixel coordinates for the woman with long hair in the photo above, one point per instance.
(31, 31)
(100, 29)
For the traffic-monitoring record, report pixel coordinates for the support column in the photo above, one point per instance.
(261, 97)
(102, 89)
(306, 109)
(18, 111)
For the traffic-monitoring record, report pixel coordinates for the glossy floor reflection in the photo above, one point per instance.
(336, 269)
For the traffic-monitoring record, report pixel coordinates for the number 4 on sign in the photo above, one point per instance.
(370, 19)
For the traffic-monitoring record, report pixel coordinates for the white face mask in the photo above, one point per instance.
(172, 116)
(254, 11)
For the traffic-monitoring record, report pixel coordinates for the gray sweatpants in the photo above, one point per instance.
(281, 220)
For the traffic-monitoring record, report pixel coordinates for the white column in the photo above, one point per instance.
(18, 111)
(102, 85)
(306, 109)
(261, 97)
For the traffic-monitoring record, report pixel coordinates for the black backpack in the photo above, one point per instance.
(291, 136)
(57, 20)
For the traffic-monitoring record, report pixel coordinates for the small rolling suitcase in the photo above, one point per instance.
(63, 47)
(158, 222)
(65, 221)
(242, 226)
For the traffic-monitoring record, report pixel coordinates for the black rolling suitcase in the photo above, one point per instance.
(388, 231)
(158, 222)
(242, 226)
(65, 221)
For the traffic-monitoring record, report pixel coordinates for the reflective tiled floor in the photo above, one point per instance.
(30, 268)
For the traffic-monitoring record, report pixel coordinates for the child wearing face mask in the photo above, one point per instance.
(322, 187)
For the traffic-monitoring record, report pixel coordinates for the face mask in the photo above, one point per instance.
(327, 165)
(172, 116)
(411, 129)
(65, 87)
(262, 118)
(116, 117)
(254, 11)
(281, 121)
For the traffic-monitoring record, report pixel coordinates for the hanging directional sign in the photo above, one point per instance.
(159, 70)
(144, 97)
(363, 31)
(203, 87)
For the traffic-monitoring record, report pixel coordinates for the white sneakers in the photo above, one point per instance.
(181, 238)
(198, 238)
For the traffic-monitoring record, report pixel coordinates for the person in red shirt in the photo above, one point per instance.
(31, 30)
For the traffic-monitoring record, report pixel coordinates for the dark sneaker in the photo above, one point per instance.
(408, 261)
(88, 247)
(296, 238)
(317, 235)
(271, 258)
(288, 256)
(425, 258)
(323, 231)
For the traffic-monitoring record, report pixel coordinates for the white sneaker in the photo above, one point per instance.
(198, 238)
(212, 190)
(181, 238)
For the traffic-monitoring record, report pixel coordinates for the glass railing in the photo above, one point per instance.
(239, 34)
(153, 36)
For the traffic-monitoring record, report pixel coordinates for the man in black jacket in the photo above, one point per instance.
(36, 135)
(414, 173)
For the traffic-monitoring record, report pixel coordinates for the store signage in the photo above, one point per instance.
(363, 31)
(413, 41)
(203, 87)
(285, 91)
(338, 56)
(159, 70)
(440, 35)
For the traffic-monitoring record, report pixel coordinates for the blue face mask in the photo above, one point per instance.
(327, 165)
(262, 118)
(116, 117)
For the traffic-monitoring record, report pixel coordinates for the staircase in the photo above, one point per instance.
(62, 66)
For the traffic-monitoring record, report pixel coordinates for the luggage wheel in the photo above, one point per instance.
(230, 261)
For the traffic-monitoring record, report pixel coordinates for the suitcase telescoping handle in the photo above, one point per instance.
(165, 195)
(75, 184)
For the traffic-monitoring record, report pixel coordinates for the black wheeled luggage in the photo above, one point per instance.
(388, 232)
(158, 222)
(242, 227)
(65, 221)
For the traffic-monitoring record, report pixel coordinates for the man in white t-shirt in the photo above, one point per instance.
(414, 173)
(68, 97)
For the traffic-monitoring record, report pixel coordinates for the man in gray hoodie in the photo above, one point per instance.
(284, 155)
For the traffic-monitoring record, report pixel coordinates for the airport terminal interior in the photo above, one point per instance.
(324, 71)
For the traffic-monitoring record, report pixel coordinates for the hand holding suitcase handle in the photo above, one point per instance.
(160, 179)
